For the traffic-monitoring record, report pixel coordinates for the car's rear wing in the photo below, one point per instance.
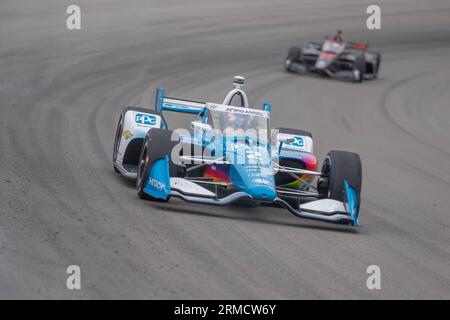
(176, 105)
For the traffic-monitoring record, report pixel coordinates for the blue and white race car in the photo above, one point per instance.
(230, 155)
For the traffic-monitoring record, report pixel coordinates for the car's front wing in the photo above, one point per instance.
(328, 210)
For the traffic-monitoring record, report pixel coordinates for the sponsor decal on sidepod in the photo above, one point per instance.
(295, 141)
(145, 119)
(127, 134)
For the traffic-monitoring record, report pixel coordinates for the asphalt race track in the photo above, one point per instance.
(62, 204)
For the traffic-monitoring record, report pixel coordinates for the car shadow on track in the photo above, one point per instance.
(254, 215)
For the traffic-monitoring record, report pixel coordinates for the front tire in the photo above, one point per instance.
(359, 69)
(157, 144)
(339, 166)
(294, 55)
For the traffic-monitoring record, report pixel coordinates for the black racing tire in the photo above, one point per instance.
(339, 166)
(157, 144)
(119, 130)
(294, 55)
(375, 75)
(359, 69)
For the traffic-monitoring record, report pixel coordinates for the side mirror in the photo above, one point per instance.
(198, 125)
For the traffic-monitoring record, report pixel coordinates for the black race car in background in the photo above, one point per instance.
(336, 59)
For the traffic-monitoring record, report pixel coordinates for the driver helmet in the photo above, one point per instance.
(338, 36)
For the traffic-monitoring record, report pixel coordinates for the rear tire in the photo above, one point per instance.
(339, 166)
(157, 144)
(378, 66)
(298, 132)
(119, 130)
(291, 200)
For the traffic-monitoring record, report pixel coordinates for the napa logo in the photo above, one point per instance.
(145, 119)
